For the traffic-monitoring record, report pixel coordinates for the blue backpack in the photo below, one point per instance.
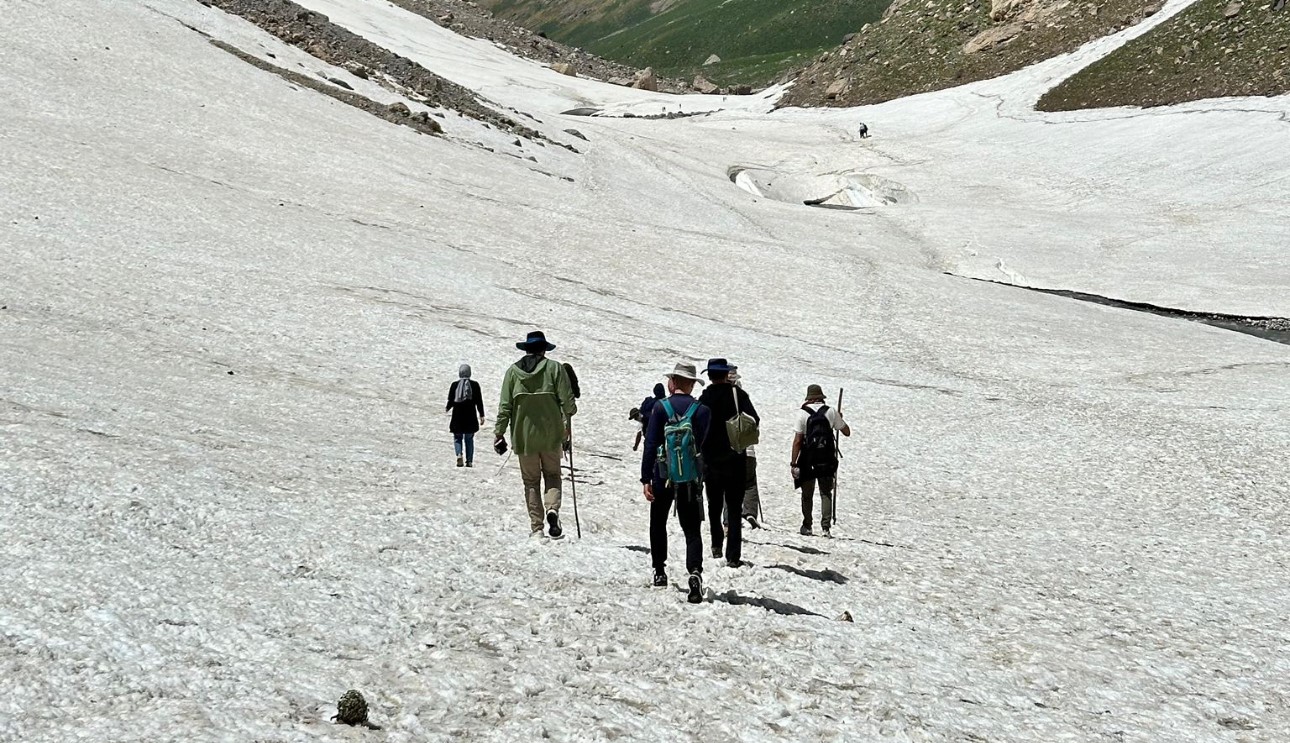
(679, 455)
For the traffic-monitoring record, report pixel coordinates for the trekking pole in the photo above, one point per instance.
(837, 447)
(573, 484)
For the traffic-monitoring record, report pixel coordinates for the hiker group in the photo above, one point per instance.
(693, 445)
(699, 453)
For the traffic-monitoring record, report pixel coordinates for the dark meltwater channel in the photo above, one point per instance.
(1275, 329)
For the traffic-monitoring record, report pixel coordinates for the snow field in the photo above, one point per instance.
(1085, 506)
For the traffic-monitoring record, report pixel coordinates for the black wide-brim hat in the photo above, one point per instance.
(535, 342)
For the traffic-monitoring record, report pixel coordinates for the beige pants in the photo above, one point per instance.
(533, 469)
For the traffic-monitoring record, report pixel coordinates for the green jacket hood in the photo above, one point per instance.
(535, 405)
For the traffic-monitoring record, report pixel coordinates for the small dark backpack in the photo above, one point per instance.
(573, 380)
(819, 455)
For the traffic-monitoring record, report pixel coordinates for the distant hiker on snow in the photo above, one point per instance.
(725, 465)
(864, 130)
(466, 403)
(752, 497)
(815, 455)
(642, 413)
(670, 472)
(536, 404)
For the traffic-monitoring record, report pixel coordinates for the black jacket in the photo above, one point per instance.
(464, 416)
(720, 399)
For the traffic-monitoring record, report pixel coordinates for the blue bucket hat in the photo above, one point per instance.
(535, 342)
(718, 365)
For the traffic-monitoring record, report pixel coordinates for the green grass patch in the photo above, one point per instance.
(757, 40)
(752, 37)
(755, 69)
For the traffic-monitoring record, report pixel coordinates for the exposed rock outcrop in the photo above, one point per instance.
(646, 80)
(705, 86)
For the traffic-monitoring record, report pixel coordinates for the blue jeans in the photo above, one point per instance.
(469, 439)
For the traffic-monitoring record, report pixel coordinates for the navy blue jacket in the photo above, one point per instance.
(701, 422)
(647, 405)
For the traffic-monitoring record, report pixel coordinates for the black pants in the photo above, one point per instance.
(689, 511)
(725, 482)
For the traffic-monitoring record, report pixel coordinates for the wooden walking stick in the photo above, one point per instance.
(573, 484)
(837, 450)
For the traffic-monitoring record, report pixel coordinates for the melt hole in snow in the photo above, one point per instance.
(845, 190)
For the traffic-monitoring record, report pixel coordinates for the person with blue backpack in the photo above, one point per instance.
(671, 472)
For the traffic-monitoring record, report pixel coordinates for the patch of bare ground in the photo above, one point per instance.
(923, 46)
(1213, 49)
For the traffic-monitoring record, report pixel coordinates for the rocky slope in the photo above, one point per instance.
(470, 19)
(1213, 49)
(922, 46)
(317, 35)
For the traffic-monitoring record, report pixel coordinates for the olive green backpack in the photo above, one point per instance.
(742, 429)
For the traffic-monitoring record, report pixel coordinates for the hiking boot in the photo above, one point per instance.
(696, 589)
(461, 462)
(470, 463)
(716, 553)
(660, 579)
(553, 525)
(805, 531)
(825, 533)
(752, 522)
(735, 563)
(536, 533)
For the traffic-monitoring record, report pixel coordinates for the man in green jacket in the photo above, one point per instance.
(537, 402)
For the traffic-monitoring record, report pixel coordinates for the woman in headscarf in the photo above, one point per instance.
(466, 403)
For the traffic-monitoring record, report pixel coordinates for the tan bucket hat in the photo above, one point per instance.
(684, 370)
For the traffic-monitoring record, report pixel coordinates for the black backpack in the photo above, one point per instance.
(573, 381)
(819, 454)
